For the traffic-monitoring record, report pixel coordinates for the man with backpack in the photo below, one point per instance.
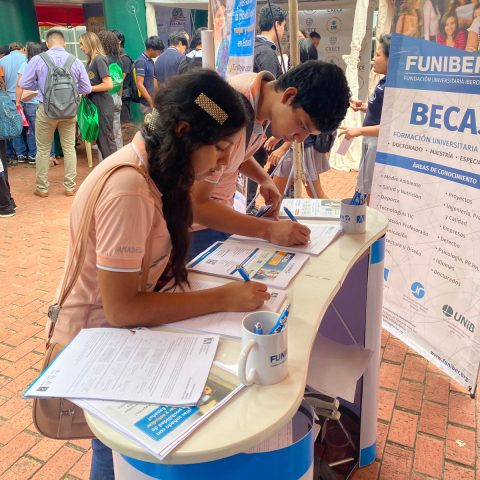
(61, 78)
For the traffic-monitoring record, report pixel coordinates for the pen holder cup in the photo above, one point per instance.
(263, 359)
(353, 218)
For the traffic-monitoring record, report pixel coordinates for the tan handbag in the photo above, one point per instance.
(59, 418)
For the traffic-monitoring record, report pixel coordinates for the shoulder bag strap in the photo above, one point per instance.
(77, 258)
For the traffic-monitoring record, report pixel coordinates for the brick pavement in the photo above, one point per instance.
(427, 424)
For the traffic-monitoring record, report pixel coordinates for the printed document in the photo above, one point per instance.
(228, 324)
(130, 365)
(312, 208)
(321, 236)
(160, 428)
(263, 264)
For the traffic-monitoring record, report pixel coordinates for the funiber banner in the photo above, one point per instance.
(427, 182)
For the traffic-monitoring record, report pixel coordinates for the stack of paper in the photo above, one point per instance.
(160, 428)
(263, 264)
(130, 365)
(312, 208)
(321, 236)
(228, 324)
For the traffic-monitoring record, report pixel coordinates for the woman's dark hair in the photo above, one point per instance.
(33, 49)
(197, 38)
(120, 36)
(385, 41)
(109, 43)
(169, 154)
(443, 22)
(322, 91)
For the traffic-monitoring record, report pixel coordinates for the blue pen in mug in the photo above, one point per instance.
(263, 359)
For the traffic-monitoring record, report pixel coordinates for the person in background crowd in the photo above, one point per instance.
(315, 38)
(10, 65)
(183, 140)
(314, 163)
(111, 46)
(128, 82)
(193, 59)
(264, 55)
(35, 75)
(26, 145)
(371, 123)
(7, 204)
(144, 67)
(409, 21)
(265, 59)
(4, 51)
(450, 34)
(473, 39)
(99, 75)
(308, 50)
(166, 65)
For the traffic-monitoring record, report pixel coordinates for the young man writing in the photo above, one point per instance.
(310, 98)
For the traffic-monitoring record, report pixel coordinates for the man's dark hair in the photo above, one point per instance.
(14, 46)
(385, 41)
(4, 50)
(323, 92)
(54, 32)
(315, 35)
(177, 37)
(265, 19)
(120, 36)
(155, 43)
(197, 38)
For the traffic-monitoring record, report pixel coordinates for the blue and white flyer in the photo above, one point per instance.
(160, 428)
(426, 181)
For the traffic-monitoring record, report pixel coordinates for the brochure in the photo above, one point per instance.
(160, 428)
(130, 365)
(312, 208)
(321, 236)
(263, 264)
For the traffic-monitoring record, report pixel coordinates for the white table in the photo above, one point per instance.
(259, 411)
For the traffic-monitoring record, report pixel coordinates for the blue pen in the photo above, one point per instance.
(243, 273)
(355, 199)
(258, 328)
(290, 215)
(282, 320)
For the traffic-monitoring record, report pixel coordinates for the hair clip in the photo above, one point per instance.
(211, 108)
(151, 119)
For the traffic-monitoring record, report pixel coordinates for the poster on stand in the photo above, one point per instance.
(233, 35)
(335, 27)
(171, 20)
(427, 182)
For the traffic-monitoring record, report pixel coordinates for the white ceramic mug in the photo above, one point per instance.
(263, 359)
(353, 218)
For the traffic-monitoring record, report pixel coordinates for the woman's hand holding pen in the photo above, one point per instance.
(244, 296)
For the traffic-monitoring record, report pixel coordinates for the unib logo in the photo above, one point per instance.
(450, 312)
(417, 290)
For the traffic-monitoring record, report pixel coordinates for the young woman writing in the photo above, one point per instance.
(188, 136)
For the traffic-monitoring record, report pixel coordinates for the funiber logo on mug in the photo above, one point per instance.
(278, 358)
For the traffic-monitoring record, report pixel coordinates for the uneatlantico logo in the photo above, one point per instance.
(417, 290)
(334, 25)
(449, 311)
